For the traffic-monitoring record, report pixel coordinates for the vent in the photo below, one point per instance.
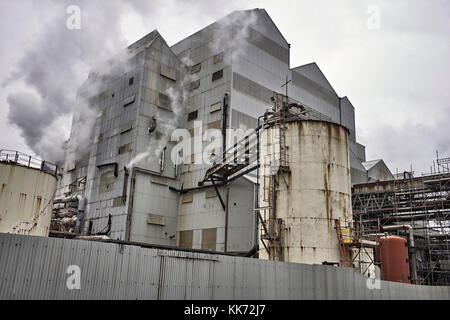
(164, 102)
(192, 115)
(217, 75)
(187, 198)
(215, 107)
(156, 219)
(125, 148)
(218, 58)
(168, 72)
(129, 100)
(196, 68)
(194, 85)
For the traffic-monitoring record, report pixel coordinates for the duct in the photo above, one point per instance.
(411, 246)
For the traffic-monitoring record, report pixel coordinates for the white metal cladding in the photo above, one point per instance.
(35, 268)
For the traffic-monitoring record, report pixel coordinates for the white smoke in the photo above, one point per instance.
(231, 34)
(53, 69)
(178, 96)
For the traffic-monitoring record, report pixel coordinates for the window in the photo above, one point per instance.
(192, 115)
(217, 75)
(210, 194)
(168, 72)
(131, 81)
(194, 85)
(107, 182)
(118, 202)
(215, 107)
(196, 68)
(209, 237)
(218, 58)
(215, 125)
(127, 127)
(164, 102)
(187, 198)
(129, 100)
(125, 148)
(186, 239)
(156, 219)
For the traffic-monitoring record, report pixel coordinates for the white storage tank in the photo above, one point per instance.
(311, 168)
(27, 188)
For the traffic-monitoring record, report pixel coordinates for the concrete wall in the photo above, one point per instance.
(36, 268)
(26, 200)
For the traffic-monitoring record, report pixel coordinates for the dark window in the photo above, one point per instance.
(164, 102)
(217, 75)
(194, 85)
(125, 148)
(131, 81)
(196, 68)
(193, 115)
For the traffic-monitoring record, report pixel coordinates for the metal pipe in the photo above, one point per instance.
(130, 205)
(125, 185)
(411, 246)
(224, 125)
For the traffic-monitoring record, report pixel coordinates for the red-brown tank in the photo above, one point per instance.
(393, 255)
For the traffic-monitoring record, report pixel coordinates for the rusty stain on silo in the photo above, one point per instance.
(318, 191)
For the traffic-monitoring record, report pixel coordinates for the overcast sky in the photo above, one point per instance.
(395, 69)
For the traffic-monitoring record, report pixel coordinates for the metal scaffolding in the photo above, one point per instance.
(421, 202)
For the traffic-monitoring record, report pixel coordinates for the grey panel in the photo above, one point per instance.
(251, 88)
(315, 89)
(264, 43)
(35, 268)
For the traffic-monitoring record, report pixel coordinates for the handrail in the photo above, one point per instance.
(13, 156)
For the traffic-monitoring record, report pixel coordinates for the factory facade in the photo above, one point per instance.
(222, 77)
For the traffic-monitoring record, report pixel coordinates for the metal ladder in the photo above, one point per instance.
(344, 259)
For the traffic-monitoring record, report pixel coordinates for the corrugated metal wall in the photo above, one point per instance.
(36, 268)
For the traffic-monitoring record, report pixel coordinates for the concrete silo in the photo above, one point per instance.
(305, 187)
(27, 188)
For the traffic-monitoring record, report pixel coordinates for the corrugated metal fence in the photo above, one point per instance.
(36, 268)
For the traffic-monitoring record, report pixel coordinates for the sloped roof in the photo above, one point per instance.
(313, 72)
(370, 164)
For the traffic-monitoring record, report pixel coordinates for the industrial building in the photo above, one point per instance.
(287, 181)
(231, 69)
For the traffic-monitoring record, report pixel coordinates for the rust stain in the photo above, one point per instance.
(327, 195)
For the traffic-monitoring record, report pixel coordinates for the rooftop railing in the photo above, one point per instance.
(16, 157)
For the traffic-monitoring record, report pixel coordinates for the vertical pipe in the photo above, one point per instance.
(226, 219)
(224, 125)
(130, 206)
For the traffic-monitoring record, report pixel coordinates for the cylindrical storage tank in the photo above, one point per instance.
(311, 194)
(393, 255)
(26, 199)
